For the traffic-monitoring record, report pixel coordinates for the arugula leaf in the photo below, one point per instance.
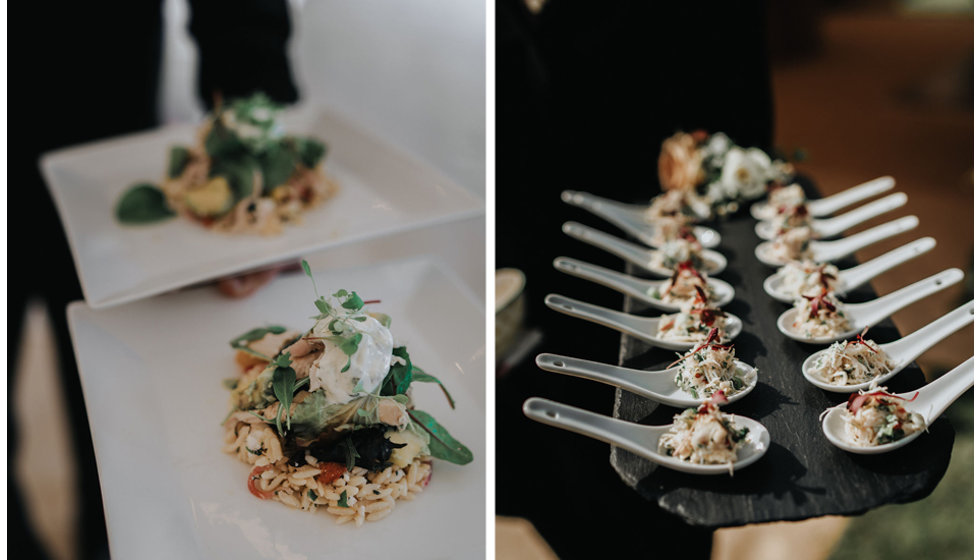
(283, 381)
(239, 171)
(312, 495)
(441, 444)
(419, 375)
(350, 451)
(222, 142)
(179, 157)
(353, 302)
(241, 342)
(310, 151)
(143, 203)
(399, 375)
(278, 164)
(342, 502)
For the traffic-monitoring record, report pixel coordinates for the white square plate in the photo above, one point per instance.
(151, 375)
(382, 191)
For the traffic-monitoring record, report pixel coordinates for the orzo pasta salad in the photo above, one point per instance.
(244, 174)
(326, 419)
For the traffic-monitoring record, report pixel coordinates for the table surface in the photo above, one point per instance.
(802, 475)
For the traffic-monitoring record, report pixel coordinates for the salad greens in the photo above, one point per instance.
(364, 436)
(244, 143)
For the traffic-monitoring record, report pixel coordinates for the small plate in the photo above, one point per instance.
(382, 191)
(151, 374)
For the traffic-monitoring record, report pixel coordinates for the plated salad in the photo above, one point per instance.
(852, 362)
(876, 417)
(326, 418)
(704, 435)
(709, 368)
(244, 174)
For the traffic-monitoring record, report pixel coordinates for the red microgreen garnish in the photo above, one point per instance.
(716, 400)
(712, 341)
(857, 400)
(860, 340)
(688, 267)
(818, 301)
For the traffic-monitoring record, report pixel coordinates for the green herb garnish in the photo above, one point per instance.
(143, 203)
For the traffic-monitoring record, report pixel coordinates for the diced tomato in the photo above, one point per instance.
(330, 472)
(252, 477)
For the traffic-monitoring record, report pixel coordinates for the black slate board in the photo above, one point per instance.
(802, 474)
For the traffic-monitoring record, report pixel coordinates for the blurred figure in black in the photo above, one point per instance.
(586, 93)
(90, 71)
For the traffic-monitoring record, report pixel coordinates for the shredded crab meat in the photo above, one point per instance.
(708, 369)
(852, 362)
(876, 417)
(693, 323)
(819, 316)
(790, 245)
(676, 251)
(781, 199)
(683, 285)
(703, 436)
(799, 278)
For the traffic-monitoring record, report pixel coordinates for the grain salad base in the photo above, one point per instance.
(370, 496)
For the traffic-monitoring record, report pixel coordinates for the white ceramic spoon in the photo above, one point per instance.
(631, 218)
(860, 315)
(640, 288)
(714, 261)
(656, 385)
(641, 439)
(902, 351)
(828, 205)
(932, 401)
(830, 227)
(832, 251)
(851, 278)
(644, 328)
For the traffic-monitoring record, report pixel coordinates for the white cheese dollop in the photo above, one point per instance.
(369, 365)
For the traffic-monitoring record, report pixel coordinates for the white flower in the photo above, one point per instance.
(745, 173)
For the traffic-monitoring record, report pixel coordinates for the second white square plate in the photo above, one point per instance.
(382, 191)
(151, 373)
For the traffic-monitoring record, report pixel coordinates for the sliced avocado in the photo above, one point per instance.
(213, 198)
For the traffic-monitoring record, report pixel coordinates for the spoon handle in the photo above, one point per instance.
(637, 438)
(626, 216)
(911, 346)
(862, 273)
(946, 389)
(624, 378)
(844, 222)
(640, 327)
(595, 203)
(830, 204)
(618, 281)
(623, 249)
(871, 312)
(835, 250)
